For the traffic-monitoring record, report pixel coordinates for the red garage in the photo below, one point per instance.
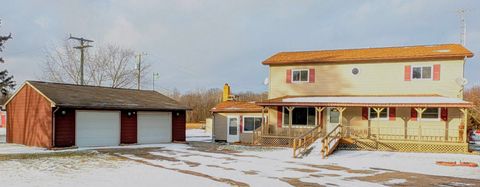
(50, 115)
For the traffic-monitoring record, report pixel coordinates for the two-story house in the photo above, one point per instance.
(393, 98)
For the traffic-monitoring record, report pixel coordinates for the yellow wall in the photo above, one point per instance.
(374, 79)
(353, 117)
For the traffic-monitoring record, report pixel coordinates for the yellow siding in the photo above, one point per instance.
(374, 79)
(353, 117)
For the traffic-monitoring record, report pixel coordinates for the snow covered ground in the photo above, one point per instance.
(198, 135)
(207, 164)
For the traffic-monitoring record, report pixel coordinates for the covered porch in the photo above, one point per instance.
(409, 119)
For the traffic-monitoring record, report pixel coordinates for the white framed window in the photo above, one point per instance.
(431, 114)
(249, 122)
(372, 114)
(422, 72)
(300, 75)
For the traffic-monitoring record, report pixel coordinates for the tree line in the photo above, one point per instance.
(201, 101)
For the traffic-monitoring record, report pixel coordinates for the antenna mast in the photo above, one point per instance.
(463, 27)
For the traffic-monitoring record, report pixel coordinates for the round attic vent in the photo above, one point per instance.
(355, 71)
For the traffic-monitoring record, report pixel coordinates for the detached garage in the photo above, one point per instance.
(50, 115)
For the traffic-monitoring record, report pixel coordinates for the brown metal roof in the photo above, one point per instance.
(237, 106)
(421, 52)
(97, 97)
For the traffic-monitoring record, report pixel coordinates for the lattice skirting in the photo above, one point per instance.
(382, 145)
(276, 141)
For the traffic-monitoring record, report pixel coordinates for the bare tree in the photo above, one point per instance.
(201, 101)
(473, 95)
(108, 65)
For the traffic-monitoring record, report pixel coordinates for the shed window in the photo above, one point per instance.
(300, 75)
(431, 114)
(250, 122)
(373, 114)
(422, 72)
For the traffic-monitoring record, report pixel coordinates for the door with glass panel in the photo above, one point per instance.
(333, 118)
(233, 129)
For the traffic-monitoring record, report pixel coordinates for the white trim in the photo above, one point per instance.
(300, 81)
(421, 73)
(439, 117)
(243, 120)
(379, 119)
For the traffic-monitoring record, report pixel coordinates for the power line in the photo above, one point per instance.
(83, 44)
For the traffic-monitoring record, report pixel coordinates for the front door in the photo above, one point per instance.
(232, 130)
(333, 118)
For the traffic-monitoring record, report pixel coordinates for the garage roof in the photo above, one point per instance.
(97, 97)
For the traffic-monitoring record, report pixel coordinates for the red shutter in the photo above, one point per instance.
(279, 116)
(436, 72)
(311, 76)
(289, 76)
(241, 124)
(365, 113)
(408, 71)
(392, 113)
(444, 114)
(413, 114)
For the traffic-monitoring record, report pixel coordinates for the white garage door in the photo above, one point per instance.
(97, 128)
(154, 127)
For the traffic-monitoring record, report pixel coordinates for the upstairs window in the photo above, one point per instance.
(373, 114)
(300, 75)
(422, 72)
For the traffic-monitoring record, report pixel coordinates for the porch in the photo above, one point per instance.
(437, 125)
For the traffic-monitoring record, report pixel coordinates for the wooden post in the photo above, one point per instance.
(465, 124)
(319, 112)
(341, 109)
(419, 119)
(378, 111)
(290, 109)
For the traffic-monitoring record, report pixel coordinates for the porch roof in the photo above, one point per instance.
(368, 101)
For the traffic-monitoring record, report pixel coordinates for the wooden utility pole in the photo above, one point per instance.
(139, 68)
(155, 76)
(83, 44)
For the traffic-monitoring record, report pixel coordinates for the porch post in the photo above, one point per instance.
(263, 120)
(419, 117)
(341, 109)
(378, 111)
(465, 124)
(290, 109)
(319, 112)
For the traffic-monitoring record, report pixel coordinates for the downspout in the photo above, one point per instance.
(53, 126)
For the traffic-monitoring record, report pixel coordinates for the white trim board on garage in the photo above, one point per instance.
(97, 128)
(154, 127)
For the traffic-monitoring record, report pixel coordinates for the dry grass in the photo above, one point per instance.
(195, 125)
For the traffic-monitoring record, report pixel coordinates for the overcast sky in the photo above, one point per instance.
(203, 44)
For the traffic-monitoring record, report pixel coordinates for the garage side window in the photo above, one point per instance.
(250, 123)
